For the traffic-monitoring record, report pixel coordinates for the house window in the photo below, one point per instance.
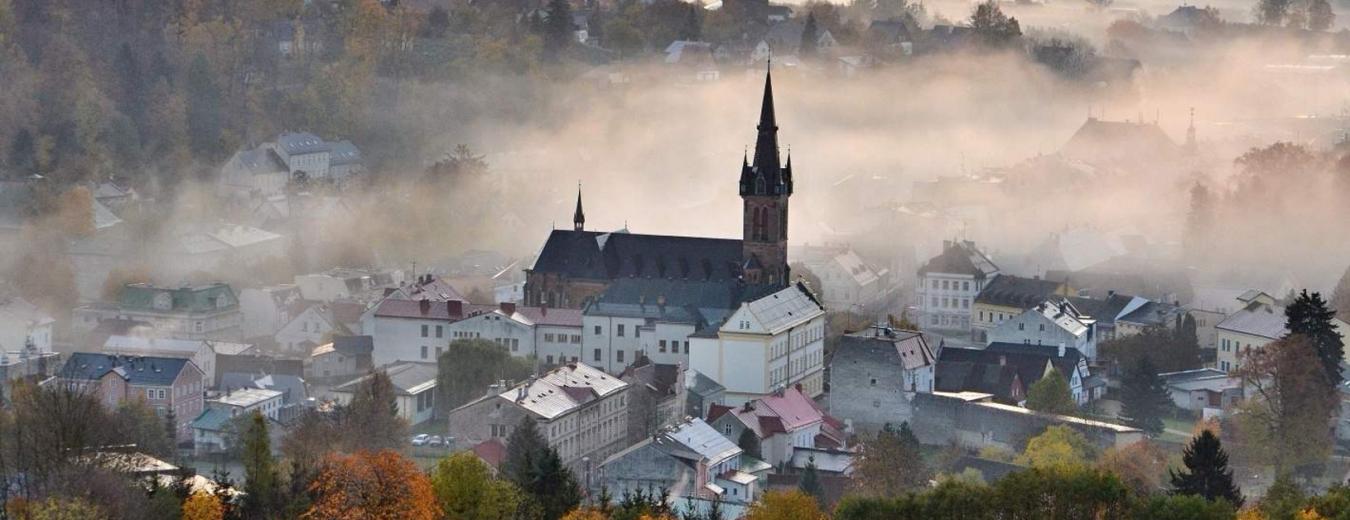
(549, 360)
(934, 301)
(424, 351)
(597, 355)
(150, 393)
(935, 284)
(874, 381)
(965, 286)
(424, 331)
(618, 355)
(438, 331)
(619, 331)
(661, 345)
(597, 330)
(576, 338)
(1042, 327)
(944, 285)
(1021, 326)
(515, 345)
(548, 338)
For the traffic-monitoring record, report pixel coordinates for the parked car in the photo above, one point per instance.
(421, 439)
(435, 440)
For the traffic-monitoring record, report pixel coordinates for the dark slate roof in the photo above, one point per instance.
(609, 256)
(1065, 364)
(354, 345)
(960, 257)
(963, 376)
(1104, 310)
(702, 385)
(903, 349)
(137, 370)
(961, 369)
(1015, 291)
(1113, 139)
(992, 470)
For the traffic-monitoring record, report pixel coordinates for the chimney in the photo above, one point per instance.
(1061, 349)
(508, 308)
(424, 305)
(543, 309)
(1110, 293)
(454, 307)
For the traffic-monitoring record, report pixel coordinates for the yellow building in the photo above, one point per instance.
(1006, 297)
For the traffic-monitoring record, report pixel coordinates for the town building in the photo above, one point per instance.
(166, 384)
(690, 459)
(269, 168)
(975, 421)
(209, 311)
(701, 393)
(23, 326)
(342, 359)
(875, 373)
(196, 249)
(1006, 371)
(1052, 322)
(768, 344)
(656, 397)
(1007, 296)
(575, 266)
(266, 309)
(782, 422)
(1121, 315)
(414, 389)
(420, 330)
(949, 283)
(316, 323)
(847, 282)
(202, 352)
(24, 365)
(581, 411)
(242, 401)
(346, 283)
(1257, 324)
(1207, 391)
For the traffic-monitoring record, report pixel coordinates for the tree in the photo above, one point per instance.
(1272, 12)
(1144, 397)
(203, 506)
(1309, 316)
(203, 108)
(465, 489)
(1168, 350)
(810, 35)
(692, 29)
(469, 366)
(891, 463)
(1182, 507)
(1320, 15)
(1206, 474)
(1051, 395)
(1289, 403)
(371, 485)
(260, 473)
(1057, 447)
(438, 22)
(992, 26)
(136, 422)
(785, 505)
(558, 29)
(58, 508)
(372, 418)
(810, 482)
(23, 152)
(1141, 466)
(748, 442)
(1283, 499)
(536, 469)
(1340, 299)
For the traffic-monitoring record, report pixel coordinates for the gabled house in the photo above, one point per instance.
(208, 311)
(1007, 296)
(1257, 324)
(1052, 322)
(165, 384)
(1007, 371)
(317, 323)
(414, 390)
(24, 326)
(846, 280)
(782, 423)
(266, 309)
(949, 282)
(341, 359)
(202, 352)
(690, 458)
(875, 374)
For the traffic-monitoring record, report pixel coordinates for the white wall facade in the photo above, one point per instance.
(945, 300)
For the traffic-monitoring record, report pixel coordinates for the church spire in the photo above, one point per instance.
(1190, 133)
(766, 144)
(578, 217)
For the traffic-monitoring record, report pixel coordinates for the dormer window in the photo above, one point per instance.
(163, 301)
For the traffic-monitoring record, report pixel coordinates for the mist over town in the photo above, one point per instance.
(674, 259)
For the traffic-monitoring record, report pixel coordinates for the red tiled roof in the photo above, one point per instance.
(399, 308)
(492, 451)
(769, 425)
(550, 316)
(347, 312)
(793, 407)
(716, 410)
(826, 442)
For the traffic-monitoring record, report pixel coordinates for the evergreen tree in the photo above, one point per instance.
(1052, 395)
(131, 94)
(810, 34)
(535, 467)
(891, 463)
(1144, 397)
(22, 154)
(1207, 474)
(203, 108)
(557, 29)
(810, 482)
(1272, 12)
(171, 433)
(692, 30)
(1309, 316)
(992, 26)
(260, 473)
(1320, 15)
(372, 417)
(748, 442)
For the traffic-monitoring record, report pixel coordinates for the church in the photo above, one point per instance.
(576, 266)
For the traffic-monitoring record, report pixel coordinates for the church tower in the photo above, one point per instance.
(765, 187)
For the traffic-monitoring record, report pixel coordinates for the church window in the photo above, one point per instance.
(759, 185)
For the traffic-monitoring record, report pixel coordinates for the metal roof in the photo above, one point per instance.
(701, 438)
(563, 389)
(137, 370)
(784, 309)
(1257, 319)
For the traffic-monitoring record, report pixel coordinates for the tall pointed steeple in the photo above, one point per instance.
(1190, 133)
(765, 186)
(766, 144)
(578, 217)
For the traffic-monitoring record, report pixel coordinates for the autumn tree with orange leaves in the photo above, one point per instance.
(371, 486)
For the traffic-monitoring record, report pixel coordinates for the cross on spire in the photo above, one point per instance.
(579, 216)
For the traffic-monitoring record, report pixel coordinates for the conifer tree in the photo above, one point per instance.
(1309, 316)
(557, 29)
(1340, 299)
(1206, 474)
(535, 467)
(810, 482)
(1052, 395)
(748, 442)
(1144, 397)
(810, 33)
(260, 473)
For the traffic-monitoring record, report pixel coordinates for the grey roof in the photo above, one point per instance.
(701, 294)
(563, 389)
(987, 370)
(211, 419)
(344, 152)
(1064, 364)
(408, 378)
(700, 438)
(137, 370)
(354, 345)
(955, 375)
(301, 143)
(1104, 310)
(292, 387)
(1015, 291)
(259, 161)
(1257, 319)
(785, 308)
(906, 349)
(701, 384)
(594, 255)
(960, 257)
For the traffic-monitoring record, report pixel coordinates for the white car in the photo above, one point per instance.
(420, 439)
(435, 440)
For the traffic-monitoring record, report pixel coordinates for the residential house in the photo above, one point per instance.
(557, 334)
(1207, 390)
(701, 393)
(269, 168)
(783, 422)
(1107, 143)
(420, 330)
(987, 371)
(692, 61)
(341, 359)
(414, 389)
(690, 459)
(1209, 306)
(1052, 322)
(24, 365)
(949, 283)
(202, 352)
(1254, 326)
(893, 37)
(847, 282)
(770, 343)
(345, 283)
(23, 326)
(785, 38)
(242, 401)
(208, 311)
(167, 385)
(657, 394)
(1007, 296)
(211, 431)
(317, 323)
(266, 309)
(581, 411)
(875, 374)
(1121, 315)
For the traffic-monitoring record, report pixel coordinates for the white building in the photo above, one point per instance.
(345, 283)
(775, 342)
(247, 400)
(1050, 323)
(581, 411)
(266, 309)
(847, 283)
(318, 323)
(948, 284)
(420, 330)
(267, 169)
(24, 326)
(202, 352)
(208, 311)
(414, 390)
